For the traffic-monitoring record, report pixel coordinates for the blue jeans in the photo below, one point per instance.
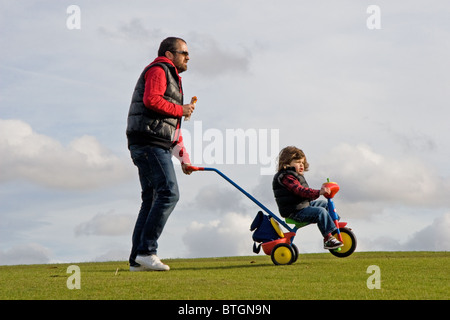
(159, 197)
(317, 212)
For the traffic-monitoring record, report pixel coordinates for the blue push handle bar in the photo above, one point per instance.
(259, 204)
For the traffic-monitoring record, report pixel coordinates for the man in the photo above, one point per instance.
(153, 133)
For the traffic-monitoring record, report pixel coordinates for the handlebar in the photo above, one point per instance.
(194, 168)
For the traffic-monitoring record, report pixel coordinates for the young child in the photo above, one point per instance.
(295, 199)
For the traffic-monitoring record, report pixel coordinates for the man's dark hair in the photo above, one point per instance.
(168, 44)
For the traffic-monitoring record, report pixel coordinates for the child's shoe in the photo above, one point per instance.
(332, 243)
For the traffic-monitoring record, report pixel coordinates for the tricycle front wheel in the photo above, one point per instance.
(349, 247)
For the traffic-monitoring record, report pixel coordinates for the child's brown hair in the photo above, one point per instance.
(288, 154)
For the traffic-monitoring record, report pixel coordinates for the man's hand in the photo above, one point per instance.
(188, 109)
(185, 169)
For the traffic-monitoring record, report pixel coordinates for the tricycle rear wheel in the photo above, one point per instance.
(296, 253)
(282, 254)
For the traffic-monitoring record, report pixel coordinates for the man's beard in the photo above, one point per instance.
(181, 68)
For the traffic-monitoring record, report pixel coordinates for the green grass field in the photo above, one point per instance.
(403, 275)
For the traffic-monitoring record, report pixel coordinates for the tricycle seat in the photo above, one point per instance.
(297, 224)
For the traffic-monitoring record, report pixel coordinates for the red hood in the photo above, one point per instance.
(167, 60)
(164, 60)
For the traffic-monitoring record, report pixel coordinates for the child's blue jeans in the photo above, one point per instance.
(317, 212)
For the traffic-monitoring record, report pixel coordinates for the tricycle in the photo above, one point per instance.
(282, 249)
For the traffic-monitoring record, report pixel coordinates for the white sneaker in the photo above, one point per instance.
(137, 268)
(152, 262)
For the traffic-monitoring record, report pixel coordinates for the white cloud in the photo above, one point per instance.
(434, 237)
(107, 224)
(367, 175)
(133, 30)
(211, 58)
(114, 255)
(41, 159)
(229, 236)
(218, 199)
(31, 253)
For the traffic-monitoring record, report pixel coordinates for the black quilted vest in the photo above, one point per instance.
(147, 127)
(287, 202)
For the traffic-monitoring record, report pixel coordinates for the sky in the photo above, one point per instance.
(362, 90)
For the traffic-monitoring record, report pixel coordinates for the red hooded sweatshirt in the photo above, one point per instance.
(155, 87)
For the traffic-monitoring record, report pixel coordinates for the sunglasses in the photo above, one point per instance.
(185, 53)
